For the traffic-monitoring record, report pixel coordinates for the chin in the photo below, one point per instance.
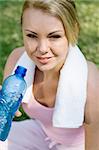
(45, 67)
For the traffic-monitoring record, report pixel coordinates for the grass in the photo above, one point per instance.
(11, 36)
(89, 36)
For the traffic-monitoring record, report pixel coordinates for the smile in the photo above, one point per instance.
(43, 60)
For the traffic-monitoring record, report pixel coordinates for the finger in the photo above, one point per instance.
(18, 113)
(0, 87)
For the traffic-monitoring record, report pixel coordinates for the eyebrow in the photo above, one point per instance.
(31, 31)
(48, 34)
(55, 32)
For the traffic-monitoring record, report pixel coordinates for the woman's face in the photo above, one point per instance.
(44, 39)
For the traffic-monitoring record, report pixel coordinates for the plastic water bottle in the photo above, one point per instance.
(13, 89)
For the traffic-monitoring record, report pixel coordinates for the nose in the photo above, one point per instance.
(43, 46)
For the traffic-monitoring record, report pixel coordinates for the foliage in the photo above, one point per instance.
(10, 30)
(89, 36)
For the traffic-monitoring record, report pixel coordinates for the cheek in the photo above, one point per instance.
(61, 49)
(64, 48)
(29, 45)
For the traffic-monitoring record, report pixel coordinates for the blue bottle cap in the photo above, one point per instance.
(21, 70)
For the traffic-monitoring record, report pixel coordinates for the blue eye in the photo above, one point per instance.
(31, 36)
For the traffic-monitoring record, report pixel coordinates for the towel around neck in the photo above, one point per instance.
(71, 92)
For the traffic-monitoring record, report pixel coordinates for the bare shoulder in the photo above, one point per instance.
(12, 59)
(92, 103)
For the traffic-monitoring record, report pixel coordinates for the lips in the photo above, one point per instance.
(44, 60)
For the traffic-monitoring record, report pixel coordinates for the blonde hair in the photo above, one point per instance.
(65, 10)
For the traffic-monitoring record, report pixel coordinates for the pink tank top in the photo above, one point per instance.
(68, 137)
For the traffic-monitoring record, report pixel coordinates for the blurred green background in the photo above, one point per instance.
(11, 36)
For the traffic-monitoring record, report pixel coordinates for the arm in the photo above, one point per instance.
(92, 110)
(11, 61)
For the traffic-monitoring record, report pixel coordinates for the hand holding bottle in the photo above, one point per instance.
(18, 112)
(11, 94)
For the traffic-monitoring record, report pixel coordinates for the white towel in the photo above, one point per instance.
(71, 92)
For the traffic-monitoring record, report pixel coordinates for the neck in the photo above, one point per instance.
(48, 75)
(51, 74)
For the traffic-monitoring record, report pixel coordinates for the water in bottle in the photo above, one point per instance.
(11, 94)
